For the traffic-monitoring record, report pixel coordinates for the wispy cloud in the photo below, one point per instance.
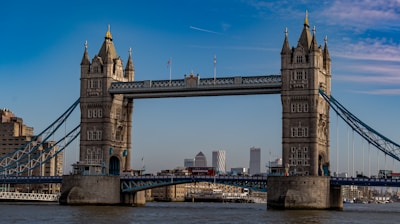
(381, 92)
(373, 79)
(243, 48)
(363, 14)
(370, 49)
(203, 30)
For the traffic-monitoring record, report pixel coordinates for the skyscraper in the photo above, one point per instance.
(200, 160)
(255, 160)
(219, 161)
(188, 162)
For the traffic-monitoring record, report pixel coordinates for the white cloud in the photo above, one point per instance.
(363, 14)
(369, 49)
(203, 30)
(381, 92)
(373, 79)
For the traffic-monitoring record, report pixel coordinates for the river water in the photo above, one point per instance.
(175, 212)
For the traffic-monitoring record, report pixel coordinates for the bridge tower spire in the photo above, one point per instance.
(305, 128)
(105, 143)
(305, 112)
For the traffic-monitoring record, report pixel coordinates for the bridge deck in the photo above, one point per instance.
(194, 86)
(169, 180)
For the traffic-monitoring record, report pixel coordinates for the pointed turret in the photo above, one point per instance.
(286, 45)
(305, 37)
(286, 53)
(326, 52)
(130, 69)
(314, 45)
(85, 63)
(85, 58)
(326, 56)
(107, 50)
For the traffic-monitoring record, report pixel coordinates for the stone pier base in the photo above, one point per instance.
(303, 192)
(93, 190)
(133, 198)
(90, 190)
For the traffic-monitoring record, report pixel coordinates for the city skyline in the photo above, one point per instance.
(40, 68)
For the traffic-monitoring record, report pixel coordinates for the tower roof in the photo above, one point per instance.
(314, 45)
(129, 65)
(286, 45)
(107, 50)
(85, 58)
(200, 154)
(326, 51)
(305, 37)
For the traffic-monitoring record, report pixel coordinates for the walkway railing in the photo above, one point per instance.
(28, 196)
(194, 86)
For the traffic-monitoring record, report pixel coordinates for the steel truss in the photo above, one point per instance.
(32, 154)
(373, 137)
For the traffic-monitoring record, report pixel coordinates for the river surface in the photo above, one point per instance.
(172, 212)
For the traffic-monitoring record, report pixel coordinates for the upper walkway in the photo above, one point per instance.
(257, 183)
(195, 86)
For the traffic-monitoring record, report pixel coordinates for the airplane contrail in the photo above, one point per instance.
(204, 30)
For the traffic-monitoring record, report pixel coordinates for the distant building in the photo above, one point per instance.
(14, 134)
(238, 171)
(255, 161)
(219, 161)
(188, 162)
(200, 160)
(277, 163)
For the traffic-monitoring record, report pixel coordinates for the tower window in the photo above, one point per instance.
(299, 109)
(299, 75)
(300, 132)
(293, 107)
(305, 132)
(305, 107)
(294, 132)
(299, 59)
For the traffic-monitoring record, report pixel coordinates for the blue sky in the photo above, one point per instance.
(43, 44)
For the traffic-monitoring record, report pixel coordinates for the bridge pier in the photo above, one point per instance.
(97, 190)
(133, 198)
(303, 192)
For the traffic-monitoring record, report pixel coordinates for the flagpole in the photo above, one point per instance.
(170, 70)
(215, 68)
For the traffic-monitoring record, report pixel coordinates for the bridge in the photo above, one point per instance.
(256, 183)
(196, 86)
(19, 196)
(106, 103)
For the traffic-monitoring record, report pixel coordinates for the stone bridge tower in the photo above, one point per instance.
(106, 119)
(305, 69)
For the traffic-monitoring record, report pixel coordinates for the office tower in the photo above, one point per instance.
(219, 161)
(188, 162)
(255, 163)
(200, 160)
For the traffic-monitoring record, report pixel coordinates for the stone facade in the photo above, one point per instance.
(81, 190)
(305, 70)
(106, 119)
(305, 114)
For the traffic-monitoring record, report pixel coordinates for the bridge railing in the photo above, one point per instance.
(138, 183)
(204, 82)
